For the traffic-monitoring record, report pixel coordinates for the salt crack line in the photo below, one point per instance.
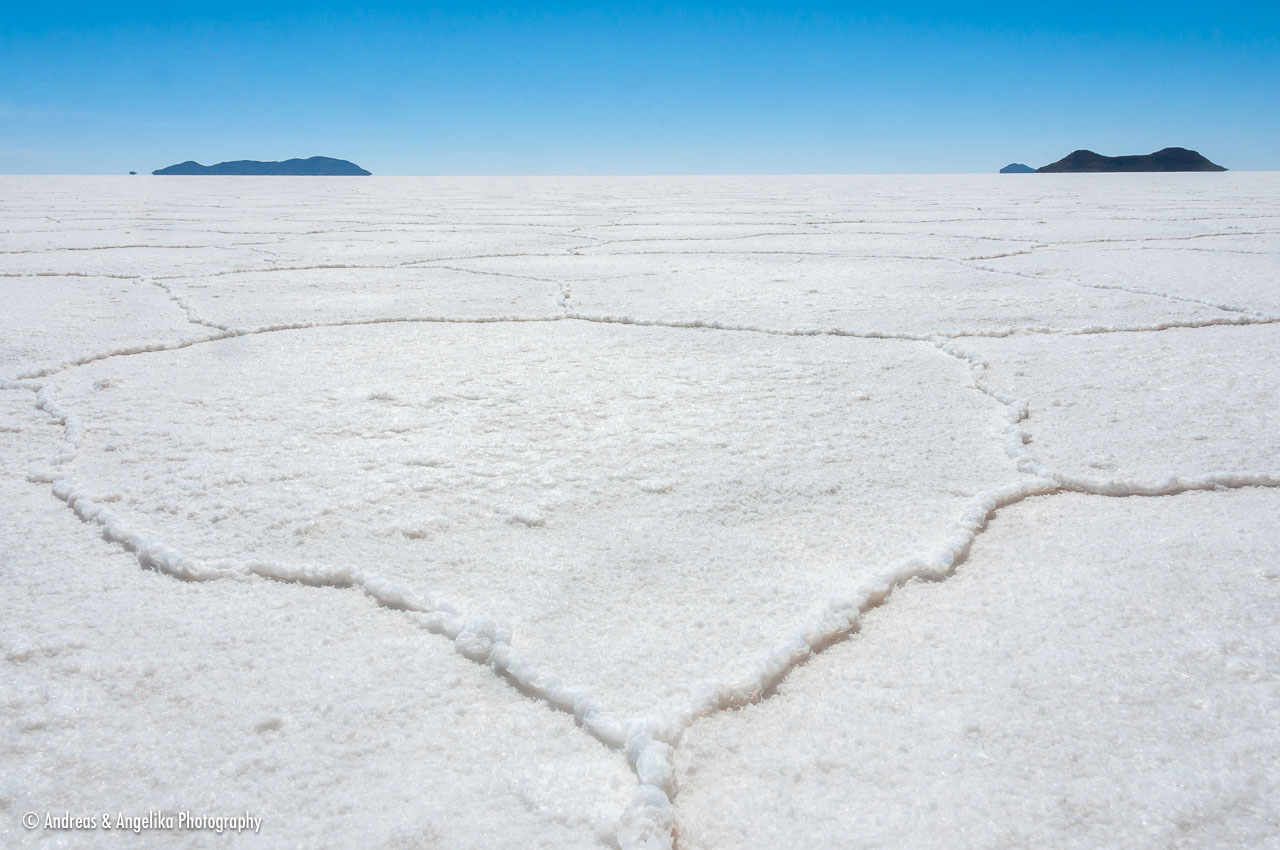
(1133, 290)
(1043, 246)
(603, 242)
(1021, 253)
(126, 351)
(1172, 297)
(1171, 486)
(131, 247)
(485, 273)
(181, 300)
(1016, 410)
(842, 617)
(709, 324)
(650, 818)
(71, 274)
(428, 262)
(1186, 238)
(1089, 330)
(481, 639)
(1208, 250)
(231, 333)
(704, 324)
(72, 432)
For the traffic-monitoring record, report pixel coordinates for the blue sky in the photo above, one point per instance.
(635, 89)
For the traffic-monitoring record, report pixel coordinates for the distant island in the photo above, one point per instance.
(316, 166)
(1169, 159)
(1017, 168)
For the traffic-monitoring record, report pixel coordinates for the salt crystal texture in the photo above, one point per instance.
(855, 511)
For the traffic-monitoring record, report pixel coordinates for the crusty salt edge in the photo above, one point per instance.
(842, 616)
(484, 640)
(707, 324)
(181, 300)
(649, 819)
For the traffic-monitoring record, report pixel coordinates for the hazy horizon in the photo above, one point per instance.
(618, 175)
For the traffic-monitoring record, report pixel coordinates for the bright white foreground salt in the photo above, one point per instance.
(573, 512)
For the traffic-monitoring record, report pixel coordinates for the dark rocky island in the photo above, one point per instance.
(1169, 159)
(1017, 168)
(316, 166)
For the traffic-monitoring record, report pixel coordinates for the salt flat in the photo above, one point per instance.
(643, 512)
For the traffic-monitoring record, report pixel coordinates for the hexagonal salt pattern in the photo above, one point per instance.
(512, 512)
(678, 498)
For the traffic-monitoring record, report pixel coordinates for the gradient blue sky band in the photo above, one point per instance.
(590, 89)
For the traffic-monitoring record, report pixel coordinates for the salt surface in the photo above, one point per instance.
(424, 473)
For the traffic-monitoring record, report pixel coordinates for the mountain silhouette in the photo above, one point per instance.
(1169, 159)
(316, 166)
(1017, 168)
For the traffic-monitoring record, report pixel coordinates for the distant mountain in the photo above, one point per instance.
(316, 166)
(1169, 159)
(1017, 168)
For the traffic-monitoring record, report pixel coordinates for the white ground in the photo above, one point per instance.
(716, 512)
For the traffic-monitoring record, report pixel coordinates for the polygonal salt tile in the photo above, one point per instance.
(1100, 672)
(646, 507)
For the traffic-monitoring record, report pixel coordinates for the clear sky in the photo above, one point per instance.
(635, 89)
